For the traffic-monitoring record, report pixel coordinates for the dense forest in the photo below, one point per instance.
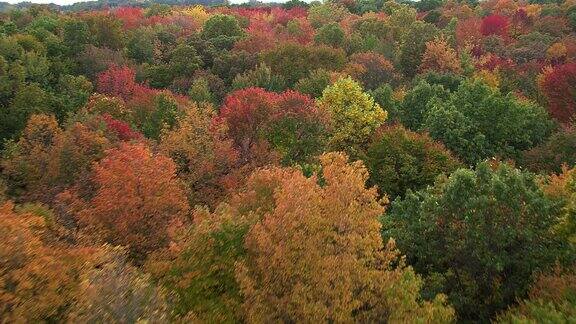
(345, 161)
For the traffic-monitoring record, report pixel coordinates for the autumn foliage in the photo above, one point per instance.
(136, 199)
(494, 25)
(440, 57)
(337, 161)
(37, 280)
(296, 280)
(258, 121)
(559, 87)
(118, 81)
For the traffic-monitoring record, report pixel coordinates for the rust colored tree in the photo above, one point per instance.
(137, 197)
(318, 256)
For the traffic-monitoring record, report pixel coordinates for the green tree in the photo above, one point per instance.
(413, 46)
(293, 61)
(478, 122)
(399, 159)
(163, 114)
(260, 77)
(28, 100)
(222, 31)
(384, 96)
(105, 30)
(229, 64)
(140, 46)
(415, 104)
(76, 34)
(329, 12)
(184, 61)
(200, 91)
(72, 93)
(330, 34)
(487, 232)
(314, 84)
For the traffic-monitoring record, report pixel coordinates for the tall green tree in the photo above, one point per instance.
(222, 31)
(486, 233)
(478, 122)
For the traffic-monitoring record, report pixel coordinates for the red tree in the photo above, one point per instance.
(246, 112)
(120, 128)
(283, 16)
(118, 81)
(261, 37)
(494, 25)
(559, 87)
(468, 32)
(294, 103)
(131, 17)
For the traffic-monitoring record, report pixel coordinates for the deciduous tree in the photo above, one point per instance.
(548, 157)
(550, 300)
(246, 113)
(314, 230)
(199, 265)
(494, 25)
(222, 31)
(298, 128)
(354, 114)
(559, 86)
(478, 122)
(37, 280)
(562, 188)
(294, 61)
(440, 57)
(398, 160)
(205, 159)
(113, 290)
(136, 198)
(372, 70)
(487, 232)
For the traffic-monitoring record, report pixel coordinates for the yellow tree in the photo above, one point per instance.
(562, 188)
(198, 266)
(318, 256)
(354, 114)
(440, 57)
(556, 52)
(37, 280)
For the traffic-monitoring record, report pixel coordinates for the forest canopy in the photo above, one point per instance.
(336, 161)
